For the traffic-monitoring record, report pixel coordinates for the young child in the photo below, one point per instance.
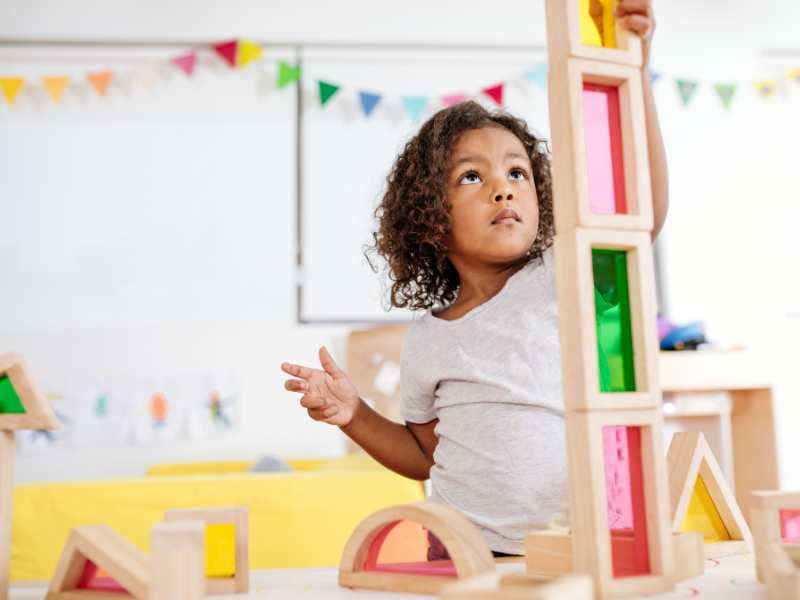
(466, 228)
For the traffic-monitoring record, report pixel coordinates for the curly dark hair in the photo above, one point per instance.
(413, 215)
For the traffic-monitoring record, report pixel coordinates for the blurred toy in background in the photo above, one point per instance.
(681, 337)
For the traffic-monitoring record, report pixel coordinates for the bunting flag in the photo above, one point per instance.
(11, 87)
(326, 91)
(725, 91)
(453, 99)
(794, 75)
(654, 77)
(538, 75)
(287, 74)
(227, 50)
(686, 89)
(368, 101)
(186, 63)
(55, 86)
(248, 52)
(767, 88)
(414, 106)
(100, 81)
(495, 93)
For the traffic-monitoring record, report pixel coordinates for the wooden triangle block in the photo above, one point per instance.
(701, 499)
(22, 405)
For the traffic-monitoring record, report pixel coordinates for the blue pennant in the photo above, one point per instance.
(368, 101)
(414, 106)
(538, 75)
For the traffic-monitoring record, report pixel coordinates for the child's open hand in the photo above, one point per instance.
(329, 395)
(637, 16)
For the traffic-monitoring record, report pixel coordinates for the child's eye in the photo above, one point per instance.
(470, 178)
(518, 174)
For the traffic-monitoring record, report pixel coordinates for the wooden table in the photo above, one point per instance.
(748, 378)
(731, 578)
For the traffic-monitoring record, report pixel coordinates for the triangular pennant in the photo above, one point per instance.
(22, 405)
(686, 89)
(538, 75)
(701, 499)
(227, 50)
(11, 87)
(654, 77)
(186, 62)
(767, 88)
(100, 81)
(248, 52)
(453, 99)
(55, 86)
(368, 101)
(326, 91)
(287, 74)
(725, 91)
(414, 106)
(495, 93)
(793, 75)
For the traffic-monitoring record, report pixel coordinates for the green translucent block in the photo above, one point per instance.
(9, 400)
(613, 321)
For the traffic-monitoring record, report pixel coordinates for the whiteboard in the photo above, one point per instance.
(346, 157)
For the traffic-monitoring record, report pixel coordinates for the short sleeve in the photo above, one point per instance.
(417, 389)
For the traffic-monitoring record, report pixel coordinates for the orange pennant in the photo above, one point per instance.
(100, 81)
(11, 87)
(248, 52)
(55, 86)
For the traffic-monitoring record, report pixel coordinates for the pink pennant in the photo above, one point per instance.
(495, 93)
(186, 63)
(227, 50)
(453, 99)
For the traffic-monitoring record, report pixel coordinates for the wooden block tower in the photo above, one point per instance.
(619, 494)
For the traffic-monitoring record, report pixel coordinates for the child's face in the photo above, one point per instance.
(490, 171)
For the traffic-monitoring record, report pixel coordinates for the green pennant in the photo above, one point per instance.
(287, 74)
(326, 91)
(686, 89)
(725, 91)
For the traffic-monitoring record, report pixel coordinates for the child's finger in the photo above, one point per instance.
(638, 24)
(330, 411)
(627, 7)
(296, 370)
(295, 385)
(318, 414)
(312, 401)
(327, 362)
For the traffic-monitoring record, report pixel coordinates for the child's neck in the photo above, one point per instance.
(480, 283)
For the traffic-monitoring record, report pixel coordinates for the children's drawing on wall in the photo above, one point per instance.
(215, 414)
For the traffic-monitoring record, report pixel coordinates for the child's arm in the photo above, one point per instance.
(331, 397)
(637, 16)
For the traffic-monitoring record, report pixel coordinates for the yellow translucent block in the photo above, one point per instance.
(703, 517)
(220, 550)
(590, 35)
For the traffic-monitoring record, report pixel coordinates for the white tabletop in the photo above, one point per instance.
(729, 578)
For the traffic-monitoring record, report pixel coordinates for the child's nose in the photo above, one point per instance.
(506, 195)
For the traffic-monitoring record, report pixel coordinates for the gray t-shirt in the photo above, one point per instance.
(493, 379)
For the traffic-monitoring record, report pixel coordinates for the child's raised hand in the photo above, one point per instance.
(328, 394)
(637, 16)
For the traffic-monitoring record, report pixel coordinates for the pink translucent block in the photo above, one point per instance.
(604, 157)
(790, 525)
(402, 547)
(94, 579)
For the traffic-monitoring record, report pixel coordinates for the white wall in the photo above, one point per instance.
(731, 178)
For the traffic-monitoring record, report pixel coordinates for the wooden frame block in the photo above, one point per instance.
(177, 561)
(515, 586)
(577, 328)
(469, 552)
(591, 538)
(238, 516)
(38, 414)
(688, 458)
(569, 162)
(766, 523)
(548, 553)
(781, 572)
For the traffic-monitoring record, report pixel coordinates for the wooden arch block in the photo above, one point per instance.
(775, 518)
(515, 586)
(697, 484)
(577, 313)
(564, 38)
(236, 580)
(22, 405)
(468, 550)
(177, 561)
(573, 164)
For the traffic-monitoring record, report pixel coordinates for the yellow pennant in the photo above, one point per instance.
(11, 87)
(248, 52)
(55, 86)
(794, 75)
(100, 81)
(766, 88)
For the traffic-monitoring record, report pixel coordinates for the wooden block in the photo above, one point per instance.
(514, 586)
(689, 458)
(577, 329)
(37, 412)
(589, 513)
(571, 179)
(238, 516)
(765, 519)
(548, 553)
(564, 37)
(468, 550)
(780, 573)
(7, 456)
(177, 561)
